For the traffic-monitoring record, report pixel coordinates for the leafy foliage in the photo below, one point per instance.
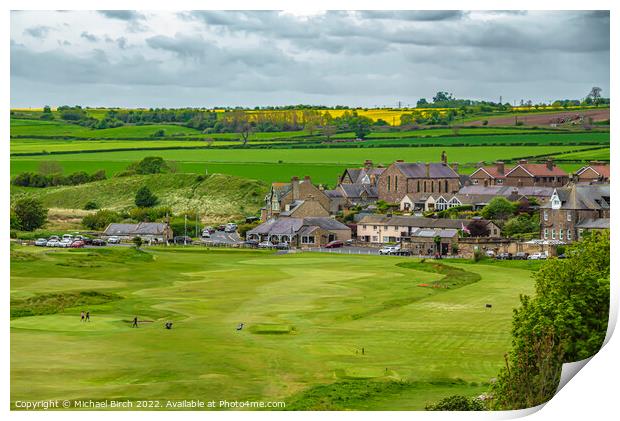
(29, 214)
(144, 198)
(499, 208)
(101, 219)
(457, 403)
(565, 321)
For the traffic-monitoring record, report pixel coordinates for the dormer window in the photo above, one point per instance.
(569, 217)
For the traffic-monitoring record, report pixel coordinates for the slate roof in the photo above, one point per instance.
(594, 223)
(416, 221)
(432, 233)
(579, 196)
(142, 228)
(507, 191)
(287, 225)
(418, 170)
(356, 190)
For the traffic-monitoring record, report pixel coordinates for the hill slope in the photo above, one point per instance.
(215, 197)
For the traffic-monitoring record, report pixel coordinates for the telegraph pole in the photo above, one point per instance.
(185, 236)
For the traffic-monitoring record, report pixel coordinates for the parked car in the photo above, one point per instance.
(209, 229)
(520, 255)
(67, 237)
(41, 242)
(87, 241)
(334, 244)
(64, 243)
(490, 253)
(504, 256)
(98, 242)
(251, 243)
(561, 256)
(54, 237)
(221, 227)
(114, 240)
(537, 256)
(230, 227)
(77, 244)
(182, 239)
(52, 243)
(282, 246)
(265, 244)
(389, 249)
(206, 234)
(401, 252)
(348, 243)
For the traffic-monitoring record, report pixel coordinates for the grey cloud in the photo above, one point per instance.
(39, 31)
(89, 37)
(126, 15)
(413, 15)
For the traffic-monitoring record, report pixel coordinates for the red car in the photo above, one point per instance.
(77, 244)
(334, 244)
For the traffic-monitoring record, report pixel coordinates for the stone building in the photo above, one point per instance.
(573, 210)
(282, 196)
(596, 172)
(417, 181)
(300, 232)
(521, 175)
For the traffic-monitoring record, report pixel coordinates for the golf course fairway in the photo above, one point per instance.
(320, 331)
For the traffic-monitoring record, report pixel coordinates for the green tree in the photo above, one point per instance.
(360, 126)
(101, 219)
(150, 165)
(137, 241)
(91, 205)
(565, 321)
(47, 110)
(521, 224)
(499, 208)
(29, 213)
(144, 198)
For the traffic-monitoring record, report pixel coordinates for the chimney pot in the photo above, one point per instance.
(500, 167)
(523, 161)
(428, 169)
(550, 164)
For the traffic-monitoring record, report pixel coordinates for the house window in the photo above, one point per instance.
(386, 239)
(553, 233)
(499, 181)
(569, 217)
(364, 226)
(375, 239)
(561, 234)
(396, 183)
(475, 181)
(546, 233)
(418, 186)
(568, 235)
(445, 183)
(374, 227)
(580, 232)
(545, 215)
(389, 183)
(307, 239)
(432, 187)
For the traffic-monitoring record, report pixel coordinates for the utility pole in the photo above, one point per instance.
(500, 100)
(196, 230)
(185, 236)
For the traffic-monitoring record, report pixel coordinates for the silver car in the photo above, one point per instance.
(41, 242)
(52, 243)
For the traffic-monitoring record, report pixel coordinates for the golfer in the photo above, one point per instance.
(135, 322)
(82, 316)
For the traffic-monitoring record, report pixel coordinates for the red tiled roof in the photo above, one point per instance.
(542, 170)
(493, 172)
(603, 170)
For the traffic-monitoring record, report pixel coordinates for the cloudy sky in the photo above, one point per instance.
(367, 58)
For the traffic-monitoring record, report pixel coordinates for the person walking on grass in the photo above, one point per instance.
(82, 316)
(135, 322)
(88, 316)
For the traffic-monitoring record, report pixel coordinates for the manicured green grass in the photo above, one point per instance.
(439, 341)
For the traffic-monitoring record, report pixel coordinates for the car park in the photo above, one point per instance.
(114, 240)
(64, 243)
(41, 242)
(537, 256)
(334, 244)
(389, 249)
(265, 244)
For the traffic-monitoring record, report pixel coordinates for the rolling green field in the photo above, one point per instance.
(307, 317)
(216, 197)
(597, 154)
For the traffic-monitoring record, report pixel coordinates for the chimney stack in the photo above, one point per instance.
(428, 170)
(400, 160)
(368, 164)
(522, 161)
(550, 164)
(295, 187)
(500, 167)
